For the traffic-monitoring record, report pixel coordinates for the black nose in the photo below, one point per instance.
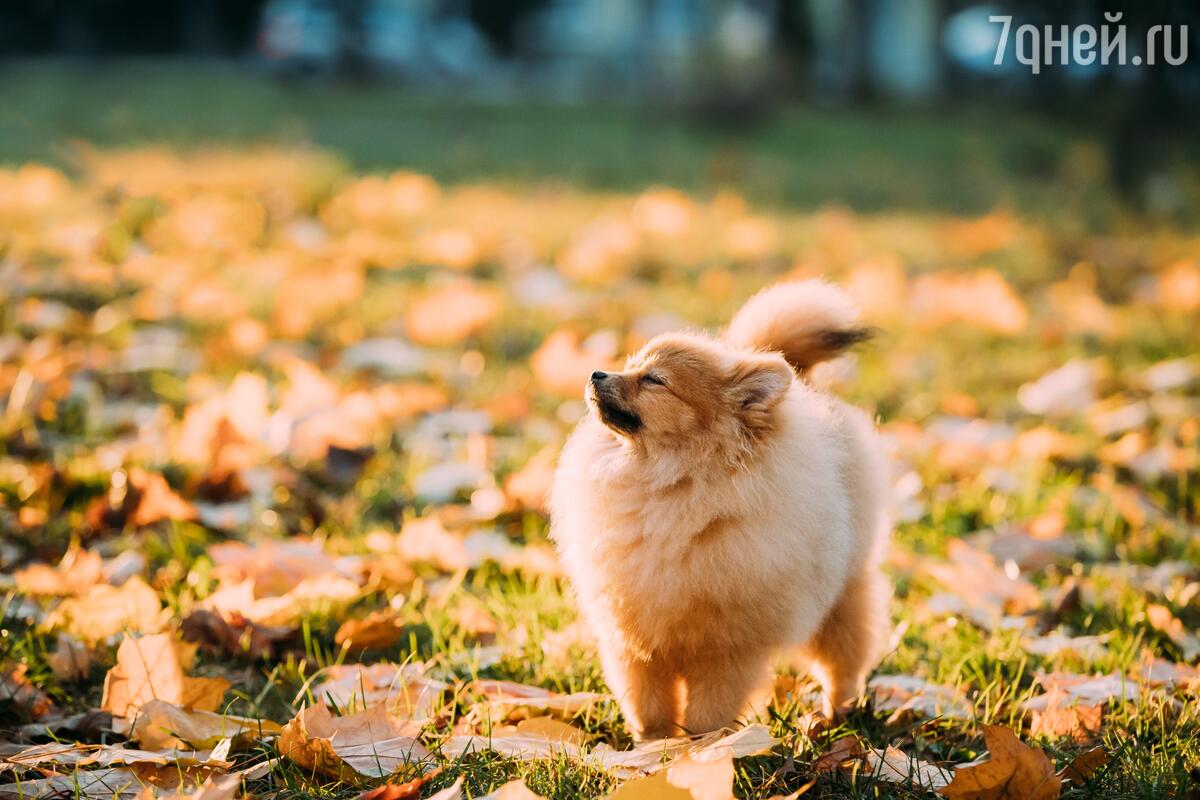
(598, 376)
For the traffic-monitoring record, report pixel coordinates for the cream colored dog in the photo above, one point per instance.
(713, 510)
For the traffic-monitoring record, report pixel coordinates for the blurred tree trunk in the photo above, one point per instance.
(352, 60)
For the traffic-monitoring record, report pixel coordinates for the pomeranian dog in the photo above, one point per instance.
(714, 510)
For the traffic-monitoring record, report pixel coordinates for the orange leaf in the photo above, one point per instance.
(1014, 771)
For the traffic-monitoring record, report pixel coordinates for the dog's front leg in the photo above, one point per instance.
(648, 691)
(719, 686)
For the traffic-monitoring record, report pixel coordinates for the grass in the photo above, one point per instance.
(967, 159)
(913, 176)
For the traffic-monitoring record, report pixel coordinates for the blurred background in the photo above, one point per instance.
(874, 104)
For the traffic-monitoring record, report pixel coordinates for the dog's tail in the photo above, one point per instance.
(807, 321)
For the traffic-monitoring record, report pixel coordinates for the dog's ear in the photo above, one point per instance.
(758, 383)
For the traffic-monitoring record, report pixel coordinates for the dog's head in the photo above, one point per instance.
(682, 390)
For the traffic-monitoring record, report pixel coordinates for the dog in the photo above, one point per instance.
(714, 510)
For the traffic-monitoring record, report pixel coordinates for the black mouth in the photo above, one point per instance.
(613, 415)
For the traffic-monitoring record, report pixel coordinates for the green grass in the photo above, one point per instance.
(968, 159)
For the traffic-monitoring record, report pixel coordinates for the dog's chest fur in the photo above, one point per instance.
(685, 560)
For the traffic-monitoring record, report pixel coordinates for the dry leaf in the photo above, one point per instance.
(402, 688)
(1066, 689)
(451, 314)
(896, 766)
(71, 659)
(77, 572)
(553, 730)
(513, 790)
(152, 668)
(1014, 771)
(113, 783)
(983, 591)
(232, 634)
(371, 743)
(16, 688)
(845, 749)
(160, 725)
(709, 779)
(105, 611)
(1080, 723)
(401, 791)
(653, 787)
(751, 740)
(904, 693)
(217, 787)
(156, 501)
(1084, 766)
(1156, 671)
(379, 629)
(1163, 620)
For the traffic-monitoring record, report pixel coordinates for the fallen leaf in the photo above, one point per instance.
(217, 787)
(160, 724)
(1065, 689)
(77, 572)
(1084, 766)
(402, 688)
(513, 790)
(401, 791)
(708, 779)
(1014, 771)
(1156, 671)
(71, 659)
(155, 500)
(152, 668)
(1070, 389)
(983, 591)
(16, 688)
(233, 634)
(114, 783)
(895, 766)
(379, 629)
(450, 314)
(507, 699)
(904, 693)
(1056, 643)
(371, 743)
(751, 740)
(105, 611)
(653, 787)
(553, 730)
(845, 749)
(1161, 619)
(1078, 722)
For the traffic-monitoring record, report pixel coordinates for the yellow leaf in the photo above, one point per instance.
(704, 780)
(654, 787)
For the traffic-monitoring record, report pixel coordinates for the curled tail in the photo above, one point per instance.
(807, 321)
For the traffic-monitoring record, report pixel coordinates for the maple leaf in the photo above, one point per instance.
(152, 668)
(372, 743)
(1013, 771)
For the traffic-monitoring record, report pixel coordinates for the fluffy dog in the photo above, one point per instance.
(713, 509)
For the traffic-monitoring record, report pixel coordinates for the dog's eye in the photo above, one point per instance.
(651, 378)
